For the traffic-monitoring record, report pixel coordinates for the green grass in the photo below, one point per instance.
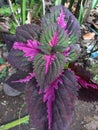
(17, 122)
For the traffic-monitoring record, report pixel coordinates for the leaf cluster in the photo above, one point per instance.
(43, 56)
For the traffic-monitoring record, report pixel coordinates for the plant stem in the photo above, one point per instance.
(31, 4)
(11, 9)
(87, 9)
(37, 10)
(78, 8)
(63, 2)
(15, 123)
(43, 1)
(23, 11)
(71, 4)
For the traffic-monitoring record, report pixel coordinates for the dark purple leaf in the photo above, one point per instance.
(16, 76)
(25, 79)
(36, 107)
(88, 94)
(60, 101)
(80, 71)
(63, 86)
(23, 33)
(83, 76)
(63, 109)
(9, 40)
(27, 32)
(16, 58)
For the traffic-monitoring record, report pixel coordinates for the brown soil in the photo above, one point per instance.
(12, 108)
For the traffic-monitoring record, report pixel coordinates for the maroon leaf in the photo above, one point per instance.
(9, 40)
(63, 108)
(16, 76)
(23, 33)
(88, 94)
(83, 76)
(36, 107)
(16, 59)
(60, 102)
(80, 71)
(25, 79)
(27, 31)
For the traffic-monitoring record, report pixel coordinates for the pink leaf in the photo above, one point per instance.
(31, 49)
(54, 40)
(49, 59)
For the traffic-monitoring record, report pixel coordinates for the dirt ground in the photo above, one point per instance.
(85, 117)
(11, 108)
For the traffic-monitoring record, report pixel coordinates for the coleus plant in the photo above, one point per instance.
(47, 71)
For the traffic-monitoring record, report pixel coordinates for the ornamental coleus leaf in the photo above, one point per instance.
(56, 104)
(40, 55)
(88, 90)
(64, 18)
(47, 68)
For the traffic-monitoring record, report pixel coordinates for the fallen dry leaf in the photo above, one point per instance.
(95, 25)
(89, 36)
(73, 9)
(67, 4)
(3, 66)
(4, 27)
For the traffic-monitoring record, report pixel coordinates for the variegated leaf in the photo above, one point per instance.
(23, 33)
(60, 112)
(16, 58)
(47, 68)
(54, 37)
(65, 19)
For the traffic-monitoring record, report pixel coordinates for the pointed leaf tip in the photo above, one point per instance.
(61, 20)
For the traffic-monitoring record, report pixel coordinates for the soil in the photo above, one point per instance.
(11, 108)
(85, 117)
